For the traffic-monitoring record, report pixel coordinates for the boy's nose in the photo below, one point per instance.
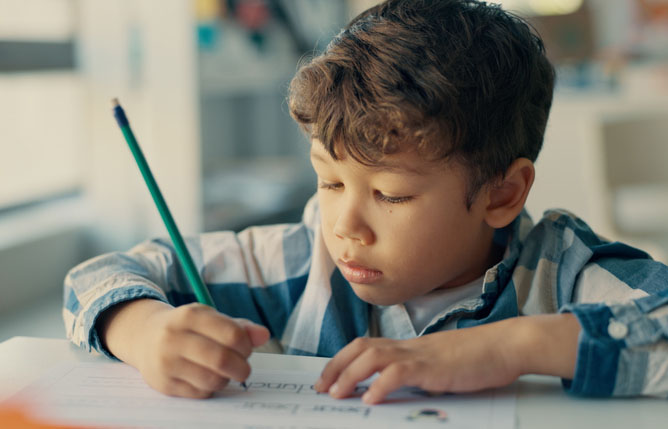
(350, 225)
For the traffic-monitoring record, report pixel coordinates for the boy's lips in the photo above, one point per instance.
(356, 273)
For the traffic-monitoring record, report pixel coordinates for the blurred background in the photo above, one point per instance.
(204, 85)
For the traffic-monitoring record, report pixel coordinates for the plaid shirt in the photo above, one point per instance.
(281, 276)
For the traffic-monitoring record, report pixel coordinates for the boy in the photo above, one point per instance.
(416, 259)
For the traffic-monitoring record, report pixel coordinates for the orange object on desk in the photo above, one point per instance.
(18, 418)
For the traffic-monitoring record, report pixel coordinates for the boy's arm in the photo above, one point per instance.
(123, 304)
(622, 306)
(618, 348)
(118, 304)
(247, 274)
(460, 360)
(619, 295)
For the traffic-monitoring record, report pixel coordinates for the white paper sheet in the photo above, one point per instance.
(114, 395)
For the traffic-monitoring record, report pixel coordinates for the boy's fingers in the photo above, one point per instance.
(203, 379)
(220, 328)
(212, 355)
(337, 364)
(392, 378)
(340, 361)
(183, 389)
(258, 334)
(360, 369)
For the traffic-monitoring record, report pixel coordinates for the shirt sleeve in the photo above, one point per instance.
(258, 274)
(622, 305)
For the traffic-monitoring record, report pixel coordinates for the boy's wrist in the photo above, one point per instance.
(121, 327)
(546, 344)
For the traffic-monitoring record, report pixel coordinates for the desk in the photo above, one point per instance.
(541, 401)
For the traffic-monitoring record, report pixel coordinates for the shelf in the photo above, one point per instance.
(234, 65)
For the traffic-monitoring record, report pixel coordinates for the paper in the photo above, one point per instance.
(115, 395)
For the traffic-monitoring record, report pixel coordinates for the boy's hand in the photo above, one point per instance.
(191, 350)
(461, 360)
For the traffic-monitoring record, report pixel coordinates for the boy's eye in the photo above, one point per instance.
(379, 195)
(330, 186)
(392, 200)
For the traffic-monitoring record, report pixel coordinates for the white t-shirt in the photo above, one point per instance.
(424, 308)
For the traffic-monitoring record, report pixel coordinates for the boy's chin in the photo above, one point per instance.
(374, 295)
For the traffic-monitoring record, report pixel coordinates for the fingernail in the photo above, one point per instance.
(366, 398)
(334, 389)
(318, 385)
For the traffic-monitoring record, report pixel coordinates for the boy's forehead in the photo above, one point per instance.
(405, 162)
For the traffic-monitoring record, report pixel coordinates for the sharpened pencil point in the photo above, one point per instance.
(114, 102)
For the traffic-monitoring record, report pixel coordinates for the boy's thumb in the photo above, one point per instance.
(258, 334)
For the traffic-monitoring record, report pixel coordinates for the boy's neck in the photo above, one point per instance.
(494, 254)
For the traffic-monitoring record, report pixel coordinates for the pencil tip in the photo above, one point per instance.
(114, 102)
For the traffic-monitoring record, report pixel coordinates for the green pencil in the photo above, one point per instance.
(201, 292)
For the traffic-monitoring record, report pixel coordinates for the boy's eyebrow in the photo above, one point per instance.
(392, 168)
(381, 166)
(316, 155)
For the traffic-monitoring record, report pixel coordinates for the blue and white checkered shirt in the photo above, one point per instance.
(282, 277)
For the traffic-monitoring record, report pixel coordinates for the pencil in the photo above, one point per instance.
(196, 283)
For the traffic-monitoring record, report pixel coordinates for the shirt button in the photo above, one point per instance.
(617, 330)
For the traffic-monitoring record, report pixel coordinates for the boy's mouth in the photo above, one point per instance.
(356, 273)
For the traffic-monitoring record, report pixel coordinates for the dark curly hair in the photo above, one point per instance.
(451, 79)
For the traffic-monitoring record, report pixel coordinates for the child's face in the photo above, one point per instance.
(402, 230)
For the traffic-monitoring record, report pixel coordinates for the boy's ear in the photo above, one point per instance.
(506, 198)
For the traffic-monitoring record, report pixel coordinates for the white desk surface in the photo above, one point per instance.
(541, 401)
